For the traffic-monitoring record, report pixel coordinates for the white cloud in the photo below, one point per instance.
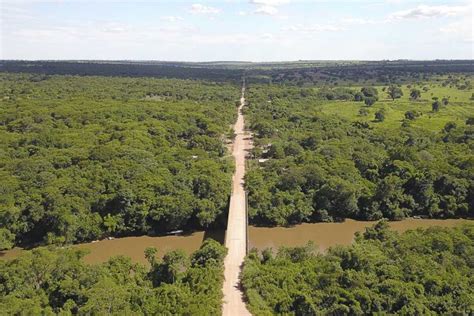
(12, 12)
(114, 28)
(171, 18)
(30, 33)
(268, 7)
(425, 11)
(420, 12)
(300, 28)
(202, 9)
(271, 3)
(456, 27)
(95, 32)
(267, 36)
(266, 10)
(459, 30)
(361, 21)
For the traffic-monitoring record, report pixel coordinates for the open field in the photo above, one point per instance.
(460, 107)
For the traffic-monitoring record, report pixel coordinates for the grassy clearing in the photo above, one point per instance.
(460, 107)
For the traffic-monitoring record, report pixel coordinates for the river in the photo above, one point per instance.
(134, 247)
(324, 235)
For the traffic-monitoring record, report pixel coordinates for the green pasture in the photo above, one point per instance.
(459, 108)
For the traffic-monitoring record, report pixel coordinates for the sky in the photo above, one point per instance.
(240, 30)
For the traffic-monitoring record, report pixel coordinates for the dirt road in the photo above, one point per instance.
(236, 235)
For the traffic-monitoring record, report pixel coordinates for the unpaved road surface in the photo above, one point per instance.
(236, 235)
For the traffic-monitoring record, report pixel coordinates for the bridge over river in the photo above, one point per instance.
(237, 230)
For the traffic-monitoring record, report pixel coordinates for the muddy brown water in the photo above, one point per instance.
(134, 247)
(324, 236)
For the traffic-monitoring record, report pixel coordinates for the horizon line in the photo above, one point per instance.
(242, 61)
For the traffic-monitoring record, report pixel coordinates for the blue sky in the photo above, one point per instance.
(252, 30)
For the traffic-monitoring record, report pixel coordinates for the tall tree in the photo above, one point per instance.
(394, 92)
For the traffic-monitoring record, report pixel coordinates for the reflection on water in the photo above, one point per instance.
(134, 247)
(326, 235)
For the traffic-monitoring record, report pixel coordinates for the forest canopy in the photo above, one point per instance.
(323, 155)
(418, 272)
(86, 157)
(53, 281)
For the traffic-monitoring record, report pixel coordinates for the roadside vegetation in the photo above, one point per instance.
(326, 153)
(86, 157)
(57, 282)
(418, 272)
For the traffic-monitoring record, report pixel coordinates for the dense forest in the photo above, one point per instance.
(419, 272)
(370, 152)
(301, 73)
(353, 73)
(177, 70)
(86, 157)
(56, 282)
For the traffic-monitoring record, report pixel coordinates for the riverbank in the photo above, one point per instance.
(324, 236)
(134, 247)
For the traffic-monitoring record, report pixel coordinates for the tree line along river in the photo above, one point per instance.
(324, 235)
